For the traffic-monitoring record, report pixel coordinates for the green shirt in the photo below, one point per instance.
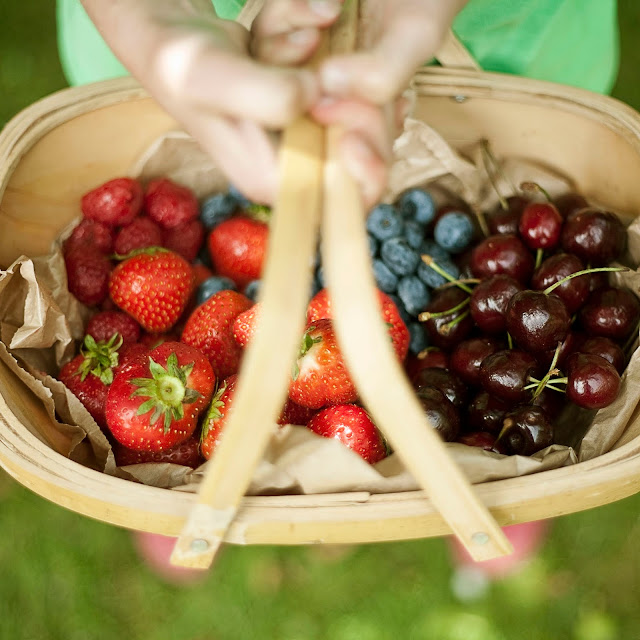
(573, 42)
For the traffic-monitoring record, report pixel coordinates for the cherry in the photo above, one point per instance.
(446, 318)
(569, 345)
(502, 254)
(506, 373)
(567, 203)
(596, 237)
(486, 412)
(605, 348)
(610, 312)
(551, 402)
(540, 225)
(440, 411)
(489, 301)
(573, 292)
(466, 357)
(480, 439)
(444, 380)
(537, 321)
(505, 220)
(429, 357)
(592, 381)
(526, 430)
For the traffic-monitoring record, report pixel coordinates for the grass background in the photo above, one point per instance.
(68, 577)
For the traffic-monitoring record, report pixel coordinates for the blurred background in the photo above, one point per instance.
(67, 577)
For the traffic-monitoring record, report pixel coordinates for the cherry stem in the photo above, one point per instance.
(489, 159)
(550, 288)
(535, 187)
(430, 262)
(509, 340)
(445, 329)
(552, 371)
(427, 315)
(425, 352)
(539, 256)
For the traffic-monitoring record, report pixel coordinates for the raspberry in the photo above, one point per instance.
(170, 204)
(114, 203)
(186, 239)
(140, 233)
(88, 275)
(104, 324)
(89, 233)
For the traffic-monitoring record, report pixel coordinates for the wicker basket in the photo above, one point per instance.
(49, 158)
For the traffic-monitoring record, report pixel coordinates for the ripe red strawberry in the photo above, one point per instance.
(186, 239)
(210, 329)
(237, 248)
(353, 427)
(88, 275)
(90, 373)
(186, 454)
(320, 376)
(200, 273)
(116, 202)
(245, 324)
(319, 307)
(152, 285)
(156, 405)
(216, 417)
(293, 413)
(130, 353)
(170, 204)
(140, 233)
(90, 234)
(104, 324)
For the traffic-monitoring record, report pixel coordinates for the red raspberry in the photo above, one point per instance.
(88, 275)
(141, 233)
(114, 203)
(90, 233)
(170, 204)
(104, 324)
(186, 239)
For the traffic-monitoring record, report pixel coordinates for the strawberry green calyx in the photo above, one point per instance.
(213, 412)
(166, 391)
(99, 358)
(305, 346)
(150, 251)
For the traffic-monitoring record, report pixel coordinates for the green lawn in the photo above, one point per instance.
(67, 577)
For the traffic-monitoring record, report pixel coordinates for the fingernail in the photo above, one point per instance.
(334, 79)
(325, 8)
(302, 36)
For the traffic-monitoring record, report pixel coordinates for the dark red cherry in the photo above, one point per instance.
(605, 348)
(551, 402)
(505, 374)
(537, 321)
(596, 237)
(503, 221)
(611, 312)
(447, 330)
(567, 203)
(489, 301)
(573, 292)
(430, 357)
(502, 254)
(526, 430)
(466, 357)
(568, 346)
(480, 439)
(444, 380)
(443, 416)
(540, 226)
(486, 412)
(592, 381)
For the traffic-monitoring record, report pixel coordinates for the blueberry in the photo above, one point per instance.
(413, 233)
(417, 204)
(404, 314)
(319, 277)
(374, 245)
(386, 279)
(213, 285)
(217, 209)
(384, 222)
(399, 256)
(242, 201)
(430, 248)
(414, 294)
(252, 289)
(418, 340)
(204, 256)
(454, 231)
(434, 279)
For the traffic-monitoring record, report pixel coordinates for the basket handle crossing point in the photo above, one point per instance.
(314, 185)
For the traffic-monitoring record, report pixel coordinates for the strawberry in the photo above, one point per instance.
(138, 234)
(319, 307)
(90, 373)
(210, 329)
(186, 239)
(88, 274)
(131, 353)
(200, 273)
(320, 376)
(170, 204)
(114, 203)
(90, 234)
(237, 248)
(186, 454)
(104, 324)
(216, 416)
(155, 405)
(293, 413)
(244, 326)
(353, 427)
(153, 286)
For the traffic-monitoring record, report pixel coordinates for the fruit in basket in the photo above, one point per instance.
(489, 301)
(114, 203)
(170, 204)
(610, 312)
(140, 233)
(88, 273)
(596, 237)
(186, 454)
(573, 292)
(540, 225)
(245, 324)
(505, 374)
(216, 415)
(467, 357)
(526, 430)
(90, 235)
(592, 381)
(152, 285)
(605, 348)
(351, 425)
(444, 380)
(505, 218)
(440, 411)
(502, 254)
(104, 324)
(156, 404)
(185, 239)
